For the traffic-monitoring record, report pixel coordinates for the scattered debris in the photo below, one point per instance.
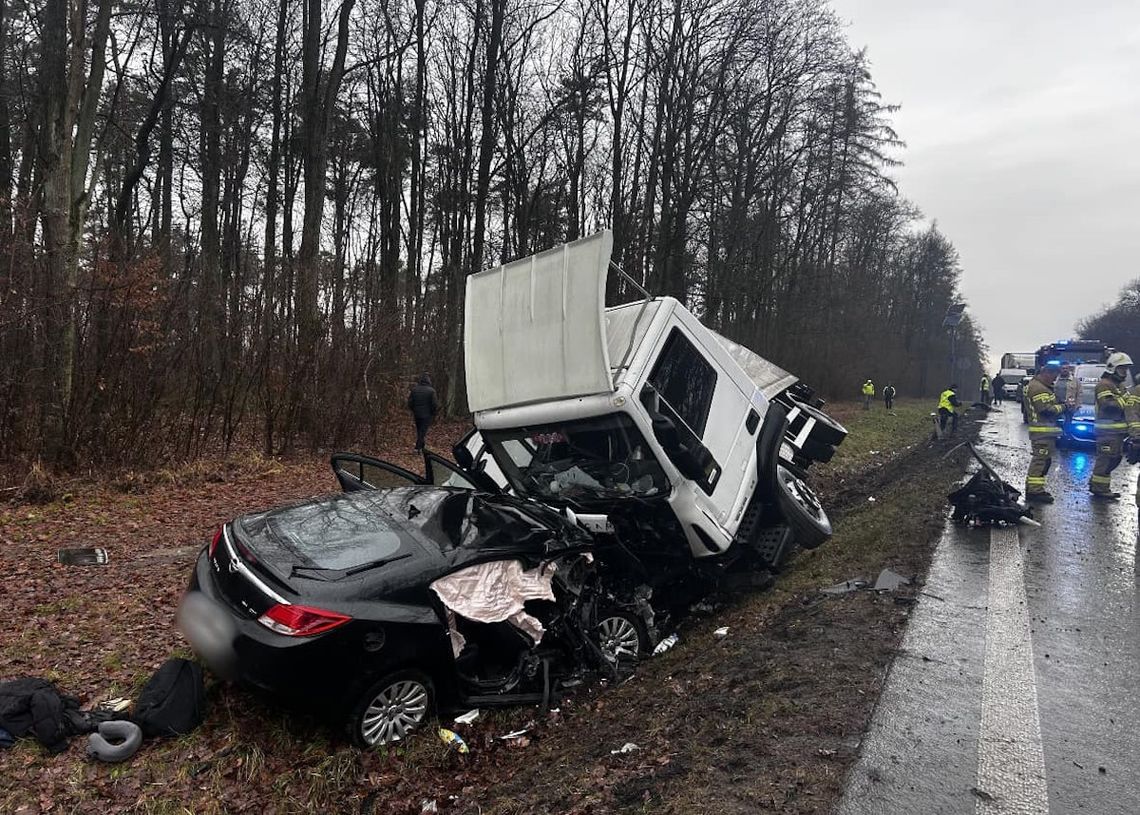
(871, 499)
(453, 740)
(703, 607)
(630, 747)
(514, 734)
(826, 753)
(428, 806)
(890, 581)
(721, 632)
(468, 717)
(666, 644)
(1102, 770)
(85, 556)
(987, 500)
(854, 584)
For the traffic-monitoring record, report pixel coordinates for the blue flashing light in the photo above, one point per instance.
(1080, 462)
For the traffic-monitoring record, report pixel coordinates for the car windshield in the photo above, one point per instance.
(580, 461)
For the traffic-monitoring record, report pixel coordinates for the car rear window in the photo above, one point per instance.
(355, 529)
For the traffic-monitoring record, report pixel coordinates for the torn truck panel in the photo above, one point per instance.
(535, 328)
(497, 591)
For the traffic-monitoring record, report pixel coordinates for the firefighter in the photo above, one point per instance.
(868, 394)
(1134, 433)
(1113, 402)
(1039, 403)
(985, 390)
(948, 405)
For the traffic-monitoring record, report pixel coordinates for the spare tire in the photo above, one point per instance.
(826, 430)
(822, 453)
(115, 741)
(801, 508)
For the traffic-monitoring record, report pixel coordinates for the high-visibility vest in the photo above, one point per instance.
(868, 388)
(985, 383)
(1134, 412)
(1042, 409)
(944, 402)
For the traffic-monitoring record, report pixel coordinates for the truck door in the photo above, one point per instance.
(707, 404)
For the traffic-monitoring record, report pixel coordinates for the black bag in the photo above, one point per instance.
(173, 701)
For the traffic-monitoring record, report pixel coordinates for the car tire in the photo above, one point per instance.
(801, 508)
(826, 430)
(392, 708)
(622, 632)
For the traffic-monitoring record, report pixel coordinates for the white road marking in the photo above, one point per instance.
(1011, 762)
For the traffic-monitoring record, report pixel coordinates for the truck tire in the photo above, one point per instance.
(826, 430)
(801, 509)
(816, 451)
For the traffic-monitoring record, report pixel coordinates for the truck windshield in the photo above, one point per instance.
(581, 461)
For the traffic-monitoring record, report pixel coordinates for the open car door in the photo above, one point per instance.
(356, 472)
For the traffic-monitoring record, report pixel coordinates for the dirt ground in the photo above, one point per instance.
(767, 718)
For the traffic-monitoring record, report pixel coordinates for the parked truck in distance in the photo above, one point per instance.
(1015, 367)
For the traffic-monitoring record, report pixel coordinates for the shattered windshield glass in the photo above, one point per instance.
(587, 459)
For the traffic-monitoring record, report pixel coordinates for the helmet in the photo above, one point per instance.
(1117, 361)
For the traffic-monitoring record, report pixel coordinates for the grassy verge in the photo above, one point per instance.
(766, 719)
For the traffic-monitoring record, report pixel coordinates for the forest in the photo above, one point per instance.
(249, 222)
(1117, 324)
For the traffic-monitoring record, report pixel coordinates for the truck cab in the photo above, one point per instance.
(638, 418)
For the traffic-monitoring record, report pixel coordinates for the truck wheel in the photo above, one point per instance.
(826, 430)
(801, 508)
(822, 453)
(391, 709)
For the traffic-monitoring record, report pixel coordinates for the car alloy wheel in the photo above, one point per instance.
(397, 706)
(620, 638)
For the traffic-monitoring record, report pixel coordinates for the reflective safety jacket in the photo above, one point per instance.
(868, 388)
(1134, 413)
(1042, 409)
(948, 401)
(1113, 404)
(985, 383)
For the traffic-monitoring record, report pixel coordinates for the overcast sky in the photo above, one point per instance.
(1022, 124)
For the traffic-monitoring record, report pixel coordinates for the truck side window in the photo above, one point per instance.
(685, 380)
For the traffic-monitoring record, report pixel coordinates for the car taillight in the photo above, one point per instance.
(214, 542)
(300, 621)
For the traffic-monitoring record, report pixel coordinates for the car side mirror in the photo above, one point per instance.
(463, 457)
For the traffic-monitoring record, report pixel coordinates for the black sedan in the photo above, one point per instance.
(376, 606)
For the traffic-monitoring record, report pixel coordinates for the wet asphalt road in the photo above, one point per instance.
(1017, 689)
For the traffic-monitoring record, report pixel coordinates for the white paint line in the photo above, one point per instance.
(1011, 762)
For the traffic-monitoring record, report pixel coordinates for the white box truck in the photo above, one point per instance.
(637, 418)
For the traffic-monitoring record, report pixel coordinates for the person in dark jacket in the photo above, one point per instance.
(423, 404)
(889, 396)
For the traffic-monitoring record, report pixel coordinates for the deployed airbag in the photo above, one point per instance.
(497, 591)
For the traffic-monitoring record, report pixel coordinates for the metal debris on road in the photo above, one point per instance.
(890, 581)
(86, 556)
(468, 717)
(854, 584)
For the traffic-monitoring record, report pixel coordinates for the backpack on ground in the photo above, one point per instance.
(173, 701)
